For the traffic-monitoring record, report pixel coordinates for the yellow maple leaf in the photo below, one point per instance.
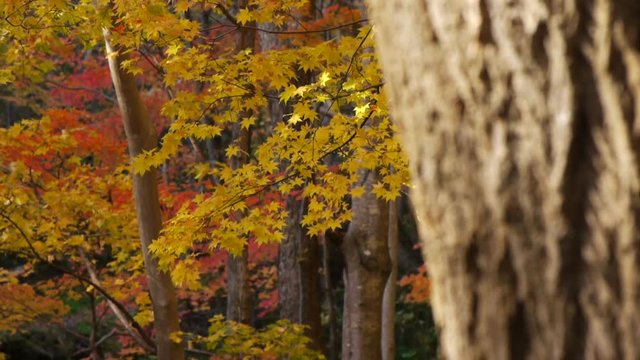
(288, 93)
(294, 119)
(173, 49)
(304, 111)
(357, 192)
(324, 78)
(244, 16)
(247, 122)
(232, 150)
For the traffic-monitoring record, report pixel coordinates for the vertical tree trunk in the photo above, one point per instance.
(367, 270)
(521, 121)
(329, 292)
(239, 299)
(299, 289)
(141, 135)
(388, 335)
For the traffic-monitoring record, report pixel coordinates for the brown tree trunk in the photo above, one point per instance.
(330, 298)
(239, 298)
(141, 135)
(521, 121)
(299, 289)
(367, 270)
(388, 335)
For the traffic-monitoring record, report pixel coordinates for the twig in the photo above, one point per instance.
(81, 88)
(289, 32)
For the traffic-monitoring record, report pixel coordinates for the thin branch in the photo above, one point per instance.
(290, 32)
(121, 317)
(338, 148)
(81, 88)
(98, 343)
(240, 196)
(151, 62)
(227, 14)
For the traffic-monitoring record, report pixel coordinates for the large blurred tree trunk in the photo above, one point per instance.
(141, 135)
(521, 120)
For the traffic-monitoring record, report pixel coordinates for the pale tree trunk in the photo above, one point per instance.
(521, 121)
(239, 298)
(388, 335)
(141, 135)
(367, 270)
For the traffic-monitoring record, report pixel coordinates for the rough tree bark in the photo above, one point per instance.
(141, 135)
(521, 120)
(367, 270)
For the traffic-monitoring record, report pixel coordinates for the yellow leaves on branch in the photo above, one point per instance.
(335, 122)
(281, 339)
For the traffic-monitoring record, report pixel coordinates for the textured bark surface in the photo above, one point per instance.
(141, 135)
(367, 270)
(521, 121)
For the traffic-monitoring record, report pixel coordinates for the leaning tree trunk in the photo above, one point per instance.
(141, 135)
(521, 120)
(367, 270)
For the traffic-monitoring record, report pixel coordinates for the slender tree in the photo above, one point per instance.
(141, 135)
(521, 123)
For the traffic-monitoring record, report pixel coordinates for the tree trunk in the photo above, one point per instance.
(521, 121)
(239, 298)
(299, 289)
(329, 294)
(367, 270)
(388, 334)
(141, 135)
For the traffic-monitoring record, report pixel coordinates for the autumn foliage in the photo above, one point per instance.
(310, 94)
